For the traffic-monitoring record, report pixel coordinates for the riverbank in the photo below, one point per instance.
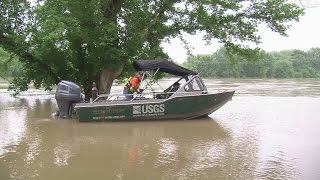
(4, 84)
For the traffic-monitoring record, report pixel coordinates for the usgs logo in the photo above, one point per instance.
(148, 109)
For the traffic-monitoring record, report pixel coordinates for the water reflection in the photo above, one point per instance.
(277, 166)
(21, 138)
(167, 152)
(12, 129)
(124, 148)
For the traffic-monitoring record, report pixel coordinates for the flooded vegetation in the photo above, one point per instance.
(268, 131)
(3, 84)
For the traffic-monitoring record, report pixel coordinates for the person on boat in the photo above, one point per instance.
(132, 85)
(175, 87)
(168, 92)
(94, 91)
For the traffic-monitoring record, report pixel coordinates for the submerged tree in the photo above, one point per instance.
(95, 40)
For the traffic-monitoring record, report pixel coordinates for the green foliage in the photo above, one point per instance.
(77, 39)
(283, 64)
(9, 65)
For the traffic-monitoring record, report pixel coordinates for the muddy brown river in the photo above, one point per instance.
(270, 130)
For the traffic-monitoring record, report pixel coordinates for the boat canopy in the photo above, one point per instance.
(162, 65)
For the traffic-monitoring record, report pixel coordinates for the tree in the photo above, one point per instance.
(283, 69)
(10, 66)
(282, 64)
(96, 40)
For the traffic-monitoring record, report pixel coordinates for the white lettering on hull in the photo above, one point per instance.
(148, 110)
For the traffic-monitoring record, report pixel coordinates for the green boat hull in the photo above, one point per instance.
(180, 107)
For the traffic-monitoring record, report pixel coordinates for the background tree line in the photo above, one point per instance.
(282, 64)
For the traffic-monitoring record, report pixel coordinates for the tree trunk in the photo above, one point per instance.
(107, 77)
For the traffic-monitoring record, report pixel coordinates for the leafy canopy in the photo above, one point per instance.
(282, 64)
(77, 39)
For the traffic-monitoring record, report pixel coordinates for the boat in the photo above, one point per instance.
(190, 100)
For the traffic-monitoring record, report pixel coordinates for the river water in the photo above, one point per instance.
(269, 130)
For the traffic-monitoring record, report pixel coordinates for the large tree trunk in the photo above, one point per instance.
(107, 77)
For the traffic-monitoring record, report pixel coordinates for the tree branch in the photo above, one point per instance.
(12, 47)
(113, 8)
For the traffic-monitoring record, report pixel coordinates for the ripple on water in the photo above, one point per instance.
(167, 152)
(265, 132)
(277, 166)
(13, 127)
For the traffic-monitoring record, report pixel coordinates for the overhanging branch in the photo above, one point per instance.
(12, 47)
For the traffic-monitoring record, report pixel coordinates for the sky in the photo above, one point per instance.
(302, 35)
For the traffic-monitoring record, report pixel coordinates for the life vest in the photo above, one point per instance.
(129, 85)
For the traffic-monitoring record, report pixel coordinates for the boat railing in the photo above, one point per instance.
(133, 97)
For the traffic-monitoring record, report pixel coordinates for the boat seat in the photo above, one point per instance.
(162, 96)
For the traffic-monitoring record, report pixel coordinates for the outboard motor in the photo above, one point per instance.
(67, 94)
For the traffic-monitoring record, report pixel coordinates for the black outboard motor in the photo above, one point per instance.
(67, 94)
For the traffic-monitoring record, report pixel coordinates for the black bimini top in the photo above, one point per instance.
(163, 66)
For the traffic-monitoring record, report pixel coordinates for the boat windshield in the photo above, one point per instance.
(194, 84)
